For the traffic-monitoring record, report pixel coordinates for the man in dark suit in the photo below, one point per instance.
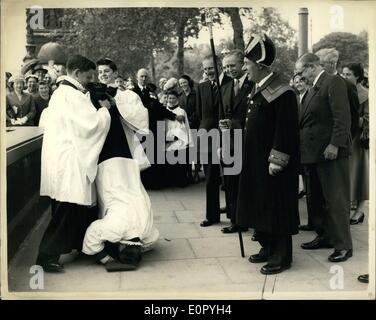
(208, 114)
(325, 146)
(329, 59)
(235, 104)
(153, 176)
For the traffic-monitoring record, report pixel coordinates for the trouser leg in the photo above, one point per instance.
(315, 200)
(65, 231)
(212, 177)
(335, 182)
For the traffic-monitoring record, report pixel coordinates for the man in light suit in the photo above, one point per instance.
(325, 146)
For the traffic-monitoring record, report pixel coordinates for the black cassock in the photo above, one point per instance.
(269, 204)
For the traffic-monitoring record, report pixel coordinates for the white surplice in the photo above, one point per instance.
(124, 204)
(178, 135)
(74, 134)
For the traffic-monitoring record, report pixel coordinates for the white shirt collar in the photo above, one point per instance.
(260, 83)
(317, 77)
(242, 79)
(141, 87)
(75, 83)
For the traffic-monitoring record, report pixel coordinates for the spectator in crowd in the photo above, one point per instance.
(359, 160)
(152, 177)
(31, 85)
(20, 106)
(48, 79)
(172, 84)
(129, 83)
(163, 98)
(208, 114)
(187, 101)
(161, 83)
(9, 87)
(325, 146)
(39, 72)
(119, 81)
(178, 139)
(41, 101)
(301, 86)
(329, 60)
(204, 78)
(268, 183)
(234, 95)
(152, 89)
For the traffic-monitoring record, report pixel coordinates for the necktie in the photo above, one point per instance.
(214, 88)
(236, 87)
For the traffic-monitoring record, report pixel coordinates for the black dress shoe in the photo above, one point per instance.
(317, 243)
(273, 269)
(363, 278)
(207, 223)
(340, 255)
(223, 210)
(306, 227)
(233, 228)
(257, 258)
(53, 267)
(357, 220)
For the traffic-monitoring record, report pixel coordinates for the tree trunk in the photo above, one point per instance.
(237, 26)
(180, 52)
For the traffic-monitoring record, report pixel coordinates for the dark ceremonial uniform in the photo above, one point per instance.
(269, 204)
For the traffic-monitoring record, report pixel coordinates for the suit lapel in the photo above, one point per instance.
(241, 94)
(310, 94)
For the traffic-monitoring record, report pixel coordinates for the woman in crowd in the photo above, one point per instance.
(161, 83)
(178, 140)
(359, 169)
(41, 101)
(163, 98)
(20, 106)
(32, 85)
(187, 101)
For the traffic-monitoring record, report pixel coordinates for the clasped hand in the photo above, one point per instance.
(225, 124)
(331, 152)
(274, 169)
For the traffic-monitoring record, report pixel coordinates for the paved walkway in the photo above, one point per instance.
(194, 262)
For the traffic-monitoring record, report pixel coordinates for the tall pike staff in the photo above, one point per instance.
(209, 23)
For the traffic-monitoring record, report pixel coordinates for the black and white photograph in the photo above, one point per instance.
(203, 150)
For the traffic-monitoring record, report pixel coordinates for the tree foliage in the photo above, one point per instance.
(129, 36)
(352, 48)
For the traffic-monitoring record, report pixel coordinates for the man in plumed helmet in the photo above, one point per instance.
(268, 197)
